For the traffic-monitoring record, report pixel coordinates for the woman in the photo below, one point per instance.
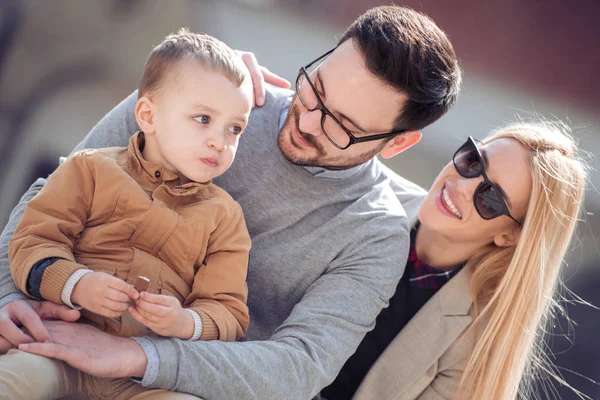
(480, 280)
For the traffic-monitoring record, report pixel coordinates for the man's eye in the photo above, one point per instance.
(236, 130)
(203, 119)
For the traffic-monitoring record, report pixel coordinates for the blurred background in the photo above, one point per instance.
(65, 63)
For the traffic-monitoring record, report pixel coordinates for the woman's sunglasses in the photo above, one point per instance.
(487, 198)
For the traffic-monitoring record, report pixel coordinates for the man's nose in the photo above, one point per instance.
(310, 122)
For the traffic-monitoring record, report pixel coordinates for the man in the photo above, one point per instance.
(330, 237)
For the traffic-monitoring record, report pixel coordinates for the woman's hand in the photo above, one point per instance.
(259, 76)
(164, 315)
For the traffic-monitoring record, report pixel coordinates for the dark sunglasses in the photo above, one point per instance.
(488, 199)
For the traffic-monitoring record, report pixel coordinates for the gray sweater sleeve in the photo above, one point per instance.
(306, 352)
(114, 129)
(8, 290)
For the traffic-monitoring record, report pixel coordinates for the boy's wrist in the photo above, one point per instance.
(186, 326)
(69, 288)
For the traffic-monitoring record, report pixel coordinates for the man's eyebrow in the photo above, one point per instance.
(319, 83)
(502, 192)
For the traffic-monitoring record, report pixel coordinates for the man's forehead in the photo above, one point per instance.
(351, 89)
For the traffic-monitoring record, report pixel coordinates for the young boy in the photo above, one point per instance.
(109, 216)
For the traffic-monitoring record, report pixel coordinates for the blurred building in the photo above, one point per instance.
(65, 63)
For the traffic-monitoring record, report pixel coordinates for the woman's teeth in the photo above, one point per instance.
(449, 203)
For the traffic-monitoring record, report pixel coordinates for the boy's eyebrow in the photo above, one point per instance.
(206, 108)
(319, 82)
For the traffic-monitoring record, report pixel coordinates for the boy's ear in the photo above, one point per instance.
(144, 114)
(400, 143)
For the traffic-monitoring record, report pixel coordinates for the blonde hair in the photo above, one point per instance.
(515, 287)
(185, 45)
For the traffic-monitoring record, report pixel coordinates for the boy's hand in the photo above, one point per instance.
(103, 294)
(164, 315)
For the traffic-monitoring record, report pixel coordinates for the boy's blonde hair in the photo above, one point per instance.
(185, 45)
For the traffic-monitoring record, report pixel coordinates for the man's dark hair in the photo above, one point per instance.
(409, 52)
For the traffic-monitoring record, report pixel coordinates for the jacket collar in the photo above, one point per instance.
(422, 342)
(154, 171)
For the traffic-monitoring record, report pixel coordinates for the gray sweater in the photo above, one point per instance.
(328, 248)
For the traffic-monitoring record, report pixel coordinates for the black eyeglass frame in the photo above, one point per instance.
(486, 181)
(325, 112)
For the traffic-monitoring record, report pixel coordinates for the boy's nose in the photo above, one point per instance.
(217, 141)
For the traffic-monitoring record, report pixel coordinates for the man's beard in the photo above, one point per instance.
(321, 159)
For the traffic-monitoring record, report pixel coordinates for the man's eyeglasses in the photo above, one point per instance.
(333, 129)
(487, 198)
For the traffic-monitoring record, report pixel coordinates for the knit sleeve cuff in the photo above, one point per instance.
(55, 278)
(210, 330)
(67, 291)
(197, 324)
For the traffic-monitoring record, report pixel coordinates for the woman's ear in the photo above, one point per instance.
(144, 115)
(400, 143)
(507, 239)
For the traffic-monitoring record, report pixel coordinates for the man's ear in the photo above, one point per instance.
(400, 143)
(144, 114)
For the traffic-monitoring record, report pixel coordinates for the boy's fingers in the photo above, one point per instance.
(147, 318)
(117, 295)
(154, 310)
(115, 306)
(109, 312)
(137, 316)
(124, 287)
(159, 299)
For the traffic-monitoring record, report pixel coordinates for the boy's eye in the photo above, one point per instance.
(236, 130)
(203, 119)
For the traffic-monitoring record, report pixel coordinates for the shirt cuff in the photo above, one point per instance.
(197, 324)
(9, 298)
(153, 366)
(67, 291)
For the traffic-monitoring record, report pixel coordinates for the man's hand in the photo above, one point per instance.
(103, 294)
(259, 76)
(23, 316)
(164, 315)
(91, 350)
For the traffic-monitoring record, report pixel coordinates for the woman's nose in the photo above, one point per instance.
(465, 187)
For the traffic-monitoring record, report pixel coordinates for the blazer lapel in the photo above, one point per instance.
(421, 342)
